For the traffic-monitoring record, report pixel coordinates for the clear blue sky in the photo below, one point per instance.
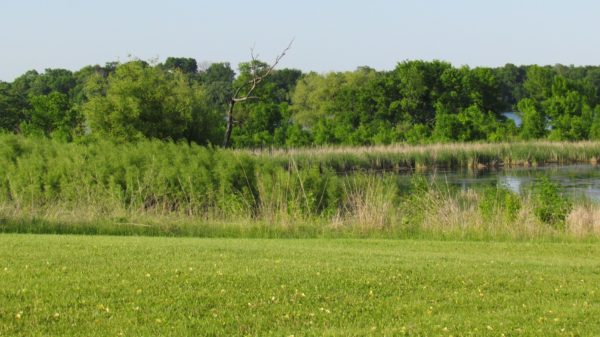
(329, 35)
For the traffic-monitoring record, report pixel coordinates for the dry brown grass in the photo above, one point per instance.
(584, 220)
(370, 205)
(432, 150)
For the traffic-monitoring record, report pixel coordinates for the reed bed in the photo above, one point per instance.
(401, 157)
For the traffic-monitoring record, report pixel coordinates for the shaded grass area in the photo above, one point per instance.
(304, 230)
(173, 228)
(135, 286)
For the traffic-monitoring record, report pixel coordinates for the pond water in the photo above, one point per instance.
(577, 180)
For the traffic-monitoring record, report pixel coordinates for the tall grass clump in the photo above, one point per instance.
(499, 201)
(434, 207)
(370, 202)
(297, 195)
(584, 220)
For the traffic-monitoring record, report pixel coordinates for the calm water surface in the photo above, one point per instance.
(577, 180)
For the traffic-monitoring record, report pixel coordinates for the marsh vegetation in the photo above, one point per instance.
(160, 188)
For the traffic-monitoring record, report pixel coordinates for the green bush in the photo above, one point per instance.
(499, 201)
(550, 205)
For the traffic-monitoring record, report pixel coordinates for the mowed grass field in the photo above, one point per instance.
(142, 286)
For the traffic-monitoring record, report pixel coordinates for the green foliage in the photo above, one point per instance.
(569, 113)
(143, 101)
(468, 125)
(10, 113)
(418, 85)
(533, 122)
(595, 128)
(538, 83)
(510, 85)
(295, 137)
(52, 115)
(183, 64)
(414, 134)
(550, 205)
(447, 127)
(217, 82)
(499, 201)
(263, 119)
(312, 97)
(416, 102)
(236, 182)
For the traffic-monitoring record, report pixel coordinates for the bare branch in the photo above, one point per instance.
(251, 85)
(256, 77)
(241, 99)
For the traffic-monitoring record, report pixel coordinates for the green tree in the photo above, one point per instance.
(52, 115)
(538, 85)
(570, 116)
(510, 85)
(418, 86)
(595, 127)
(533, 122)
(139, 100)
(10, 113)
(312, 98)
(186, 65)
(217, 81)
(447, 125)
(252, 75)
(296, 136)
(264, 121)
(53, 80)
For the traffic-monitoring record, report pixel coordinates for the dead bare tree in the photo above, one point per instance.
(245, 90)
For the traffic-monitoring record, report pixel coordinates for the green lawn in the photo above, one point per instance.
(139, 286)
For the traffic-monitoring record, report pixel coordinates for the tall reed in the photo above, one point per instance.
(454, 155)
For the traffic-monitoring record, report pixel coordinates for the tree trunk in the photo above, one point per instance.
(227, 140)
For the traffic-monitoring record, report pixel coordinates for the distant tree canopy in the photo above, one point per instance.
(183, 64)
(416, 102)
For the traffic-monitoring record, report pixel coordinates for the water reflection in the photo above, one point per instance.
(512, 183)
(577, 180)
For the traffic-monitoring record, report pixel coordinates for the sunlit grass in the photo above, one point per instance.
(135, 286)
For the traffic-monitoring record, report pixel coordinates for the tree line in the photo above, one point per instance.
(416, 102)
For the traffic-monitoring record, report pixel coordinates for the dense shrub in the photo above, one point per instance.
(550, 205)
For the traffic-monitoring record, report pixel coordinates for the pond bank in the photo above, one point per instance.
(403, 157)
